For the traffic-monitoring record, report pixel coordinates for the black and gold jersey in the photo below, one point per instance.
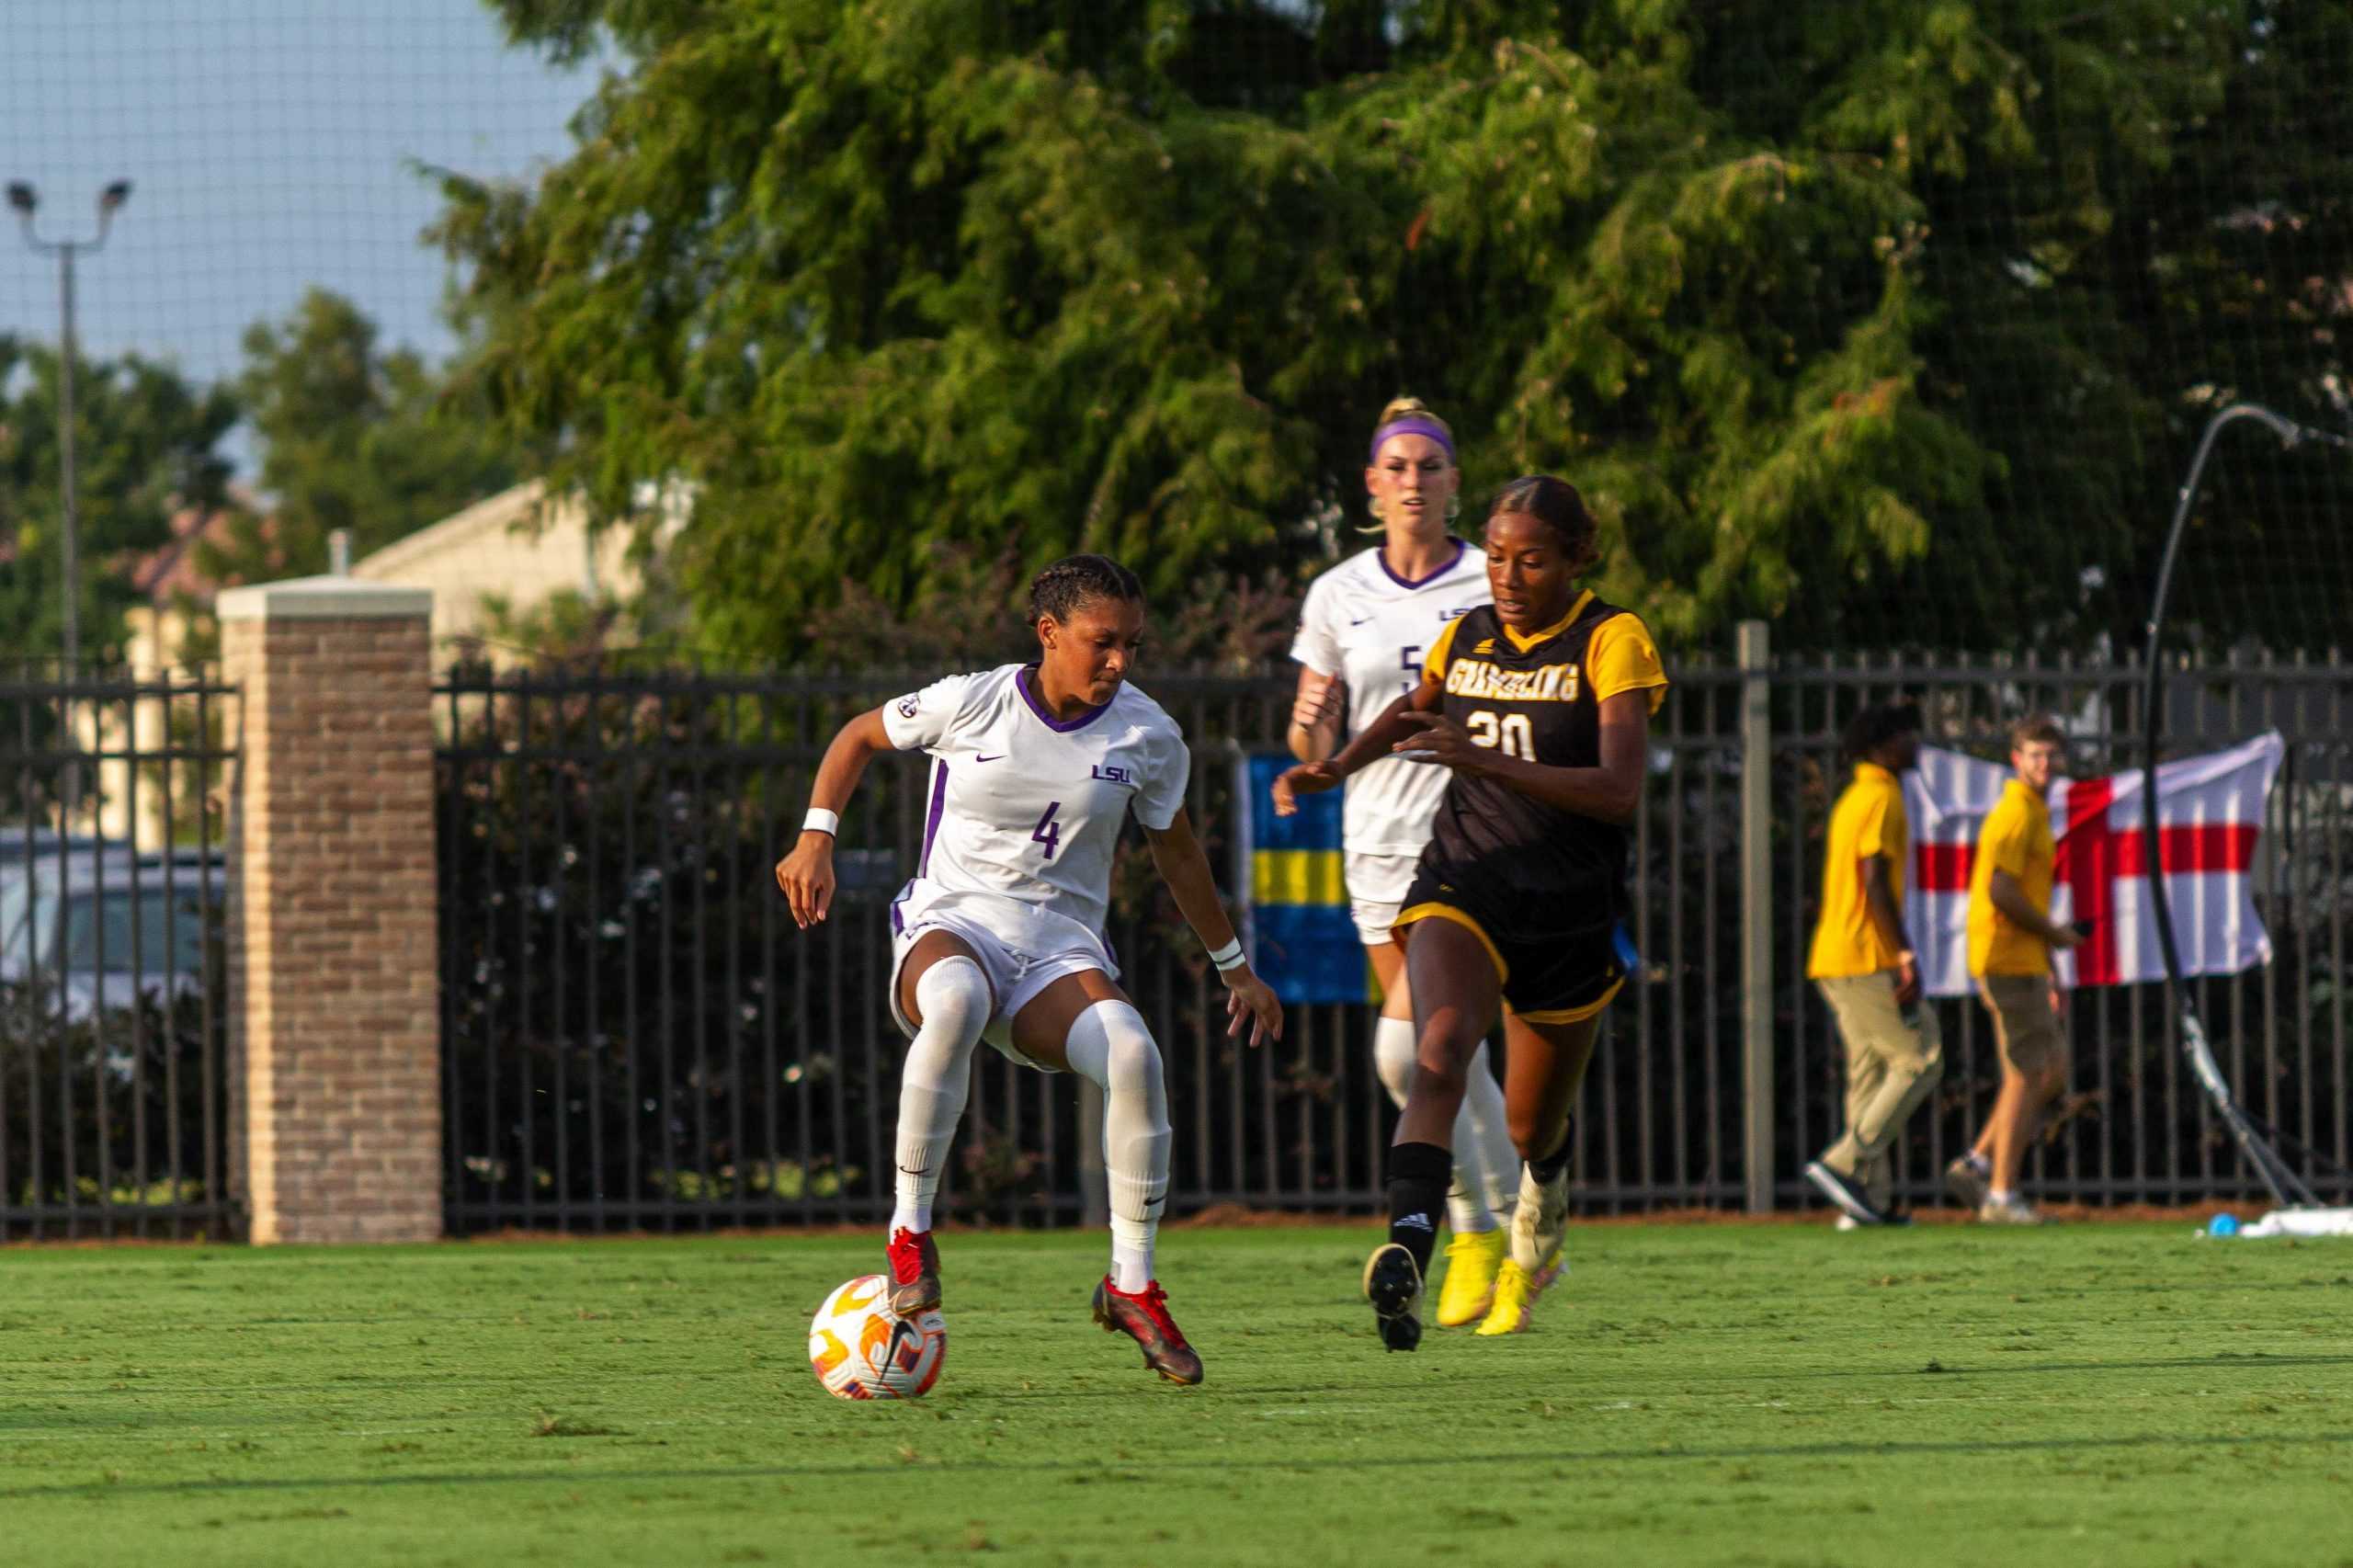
(1538, 697)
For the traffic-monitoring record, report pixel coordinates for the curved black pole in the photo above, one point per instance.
(2284, 1184)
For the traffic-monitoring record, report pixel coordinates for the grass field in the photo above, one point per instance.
(1703, 1393)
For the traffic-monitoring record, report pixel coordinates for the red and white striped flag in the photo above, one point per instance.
(2210, 810)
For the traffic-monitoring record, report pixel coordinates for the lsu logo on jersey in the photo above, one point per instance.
(1115, 773)
(1478, 679)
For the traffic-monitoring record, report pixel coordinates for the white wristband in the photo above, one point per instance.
(1229, 956)
(820, 820)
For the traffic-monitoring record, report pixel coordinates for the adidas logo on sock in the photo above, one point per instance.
(1415, 1222)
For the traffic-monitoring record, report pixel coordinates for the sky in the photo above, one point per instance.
(268, 144)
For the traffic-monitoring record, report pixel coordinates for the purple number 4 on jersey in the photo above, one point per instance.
(1049, 832)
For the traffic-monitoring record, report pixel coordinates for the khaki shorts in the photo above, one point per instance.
(2026, 1030)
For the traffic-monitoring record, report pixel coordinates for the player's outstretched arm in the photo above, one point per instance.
(1374, 741)
(806, 875)
(1611, 793)
(1249, 1000)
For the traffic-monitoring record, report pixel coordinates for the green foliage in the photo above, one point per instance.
(353, 436)
(1838, 314)
(111, 1100)
(146, 445)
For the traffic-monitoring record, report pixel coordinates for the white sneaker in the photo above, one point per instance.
(1969, 1181)
(1538, 1221)
(2010, 1211)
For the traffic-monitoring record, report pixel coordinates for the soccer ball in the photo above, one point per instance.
(859, 1348)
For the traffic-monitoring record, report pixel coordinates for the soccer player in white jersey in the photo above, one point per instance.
(1000, 935)
(1362, 633)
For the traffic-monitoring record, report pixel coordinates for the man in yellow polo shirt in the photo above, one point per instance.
(1863, 964)
(2011, 939)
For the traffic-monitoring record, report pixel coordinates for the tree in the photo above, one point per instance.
(1834, 311)
(2231, 273)
(352, 435)
(146, 444)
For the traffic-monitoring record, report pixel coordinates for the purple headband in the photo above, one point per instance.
(1411, 424)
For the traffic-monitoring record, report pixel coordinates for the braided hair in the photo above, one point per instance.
(1555, 503)
(1076, 580)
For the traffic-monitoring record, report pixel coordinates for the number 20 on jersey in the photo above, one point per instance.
(1508, 733)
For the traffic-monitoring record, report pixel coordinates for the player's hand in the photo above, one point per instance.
(807, 878)
(1444, 743)
(2058, 1000)
(1307, 778)
(1907, 979)
(1251, 1000)
(1318, 700)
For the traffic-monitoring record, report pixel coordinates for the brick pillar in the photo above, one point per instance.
(335, 1036)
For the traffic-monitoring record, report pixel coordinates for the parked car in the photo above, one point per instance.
(110, 932)
(27, 851)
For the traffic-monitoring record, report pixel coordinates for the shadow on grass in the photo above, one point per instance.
(574, 1476)
(1511, 1383)
(2026, 1359)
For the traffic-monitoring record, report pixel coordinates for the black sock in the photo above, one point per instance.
(1418, 1176)
(1548, 1169)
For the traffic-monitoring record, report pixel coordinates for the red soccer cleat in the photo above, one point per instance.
(915, 1272)
(1143, 1317)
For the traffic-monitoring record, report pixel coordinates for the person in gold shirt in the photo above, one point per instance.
(1864, 966)
(2011, 939)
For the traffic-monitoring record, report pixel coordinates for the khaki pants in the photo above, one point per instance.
(2026, 1031)
(1891, 1067)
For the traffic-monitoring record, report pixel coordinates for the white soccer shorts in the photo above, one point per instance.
(1021, 950)
(1377, 885)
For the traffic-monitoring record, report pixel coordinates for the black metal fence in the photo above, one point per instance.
(636, 1034)
(113, 889)
(2134, 1127)
(637, 1037)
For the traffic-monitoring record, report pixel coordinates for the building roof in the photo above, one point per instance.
(169, 572)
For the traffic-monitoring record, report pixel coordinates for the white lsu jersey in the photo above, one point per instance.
(1029, 807)
(1369, 627)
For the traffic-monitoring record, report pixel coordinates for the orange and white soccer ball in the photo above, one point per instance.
(859, 1348)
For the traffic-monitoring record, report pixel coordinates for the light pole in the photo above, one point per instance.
(27, 202)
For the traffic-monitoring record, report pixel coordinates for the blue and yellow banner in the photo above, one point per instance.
(1289, 876)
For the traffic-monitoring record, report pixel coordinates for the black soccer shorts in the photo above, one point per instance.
(1550, 979)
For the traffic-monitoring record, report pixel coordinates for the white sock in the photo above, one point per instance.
(1109, 1044)
(1999, 1195)
(1979, 1163)
(953, 997)
(1486, 1167)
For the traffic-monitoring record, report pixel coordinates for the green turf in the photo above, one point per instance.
(2085, 1394)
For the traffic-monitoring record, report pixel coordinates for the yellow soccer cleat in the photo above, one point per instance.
(1516, 1293)
(1472, 1259)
